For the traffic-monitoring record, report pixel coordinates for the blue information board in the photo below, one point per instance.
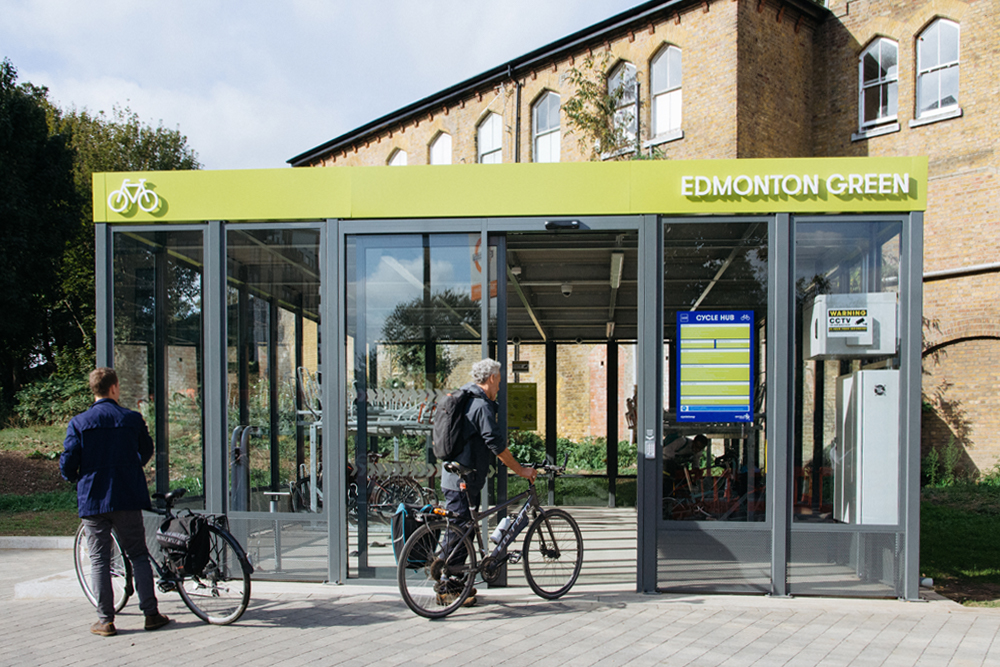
(715, 369)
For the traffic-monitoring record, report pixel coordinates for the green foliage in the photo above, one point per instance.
(450, 316)
(958, 535)
(59, 397)
(39, 210)
(592, 111)
(526, 446)
(942, 468)
(590, 454)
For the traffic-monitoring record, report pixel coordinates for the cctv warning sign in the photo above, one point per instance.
(848, 322)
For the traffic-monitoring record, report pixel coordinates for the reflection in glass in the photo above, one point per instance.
(413, 332)
(715, 470)
(274, 415)
(158, 350)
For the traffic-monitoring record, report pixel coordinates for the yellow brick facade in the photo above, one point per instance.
(779, 78)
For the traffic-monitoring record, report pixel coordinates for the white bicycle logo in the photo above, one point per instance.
(133, 193)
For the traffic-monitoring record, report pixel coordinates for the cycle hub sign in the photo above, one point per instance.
(133, 194)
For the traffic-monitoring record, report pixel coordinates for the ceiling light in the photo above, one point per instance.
(617, 263)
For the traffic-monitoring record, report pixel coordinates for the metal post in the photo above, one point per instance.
(272, 386)
(160, 377)
(551, 418)
(781, 367)
(104, 288)
(611, 393)
(911, 323)
(214, 394)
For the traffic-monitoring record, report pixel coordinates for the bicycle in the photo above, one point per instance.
(439, 564)
(133, 193)
(219, 594)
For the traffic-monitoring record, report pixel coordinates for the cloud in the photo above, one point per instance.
(253, 83)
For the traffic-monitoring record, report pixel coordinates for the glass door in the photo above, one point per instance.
(413, 331)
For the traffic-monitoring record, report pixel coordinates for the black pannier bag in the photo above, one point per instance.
(404, 523)
(185, 540)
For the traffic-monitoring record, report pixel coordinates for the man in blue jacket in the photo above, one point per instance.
(483, 444)
(105, 450)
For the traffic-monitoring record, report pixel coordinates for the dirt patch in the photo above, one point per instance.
(23, 476)
(968, 591)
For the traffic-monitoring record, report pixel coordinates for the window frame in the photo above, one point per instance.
(889, 83)
(617, 78)
(921, 117)
(486, 126)
(662, 94)
(432, 148)
(549, 132)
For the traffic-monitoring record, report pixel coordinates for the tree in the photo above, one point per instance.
(595, 113)
(39, 214)
(119, 142)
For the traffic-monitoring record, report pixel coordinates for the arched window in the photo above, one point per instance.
(937, 68)
(398, 158)
(621, 86)
(489, 137)
(441, 149)
(878, 69)
(545, 128)
(665, 87)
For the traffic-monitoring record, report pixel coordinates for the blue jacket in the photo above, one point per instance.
(104, 452)
(483, 442)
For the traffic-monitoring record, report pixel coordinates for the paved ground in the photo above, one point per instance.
(44, 620)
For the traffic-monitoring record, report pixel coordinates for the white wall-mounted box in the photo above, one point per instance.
(851, 326)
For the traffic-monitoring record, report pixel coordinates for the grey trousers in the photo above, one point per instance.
(132, 535)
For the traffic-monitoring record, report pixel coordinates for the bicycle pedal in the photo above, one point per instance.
(513, 557)
(166, 586)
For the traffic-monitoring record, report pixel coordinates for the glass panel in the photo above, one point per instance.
(870, 65)
(715, 315)
(892, 97)
(273, 339)
(488, 139)
(847, 275)
(927, 92)
(413, 332)
(948, 36)
(398, 159)
(927, 47)
(949, 87)
(546, 114)
(547, 147)
(887, 62)
(158, 350)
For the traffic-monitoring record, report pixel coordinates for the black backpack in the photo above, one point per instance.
(185, 540)
(448, 419)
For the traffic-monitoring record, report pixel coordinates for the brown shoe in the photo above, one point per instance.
(155, 621)
(445, 599)
(104, 629)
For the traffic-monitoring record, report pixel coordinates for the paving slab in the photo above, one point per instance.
(45, 621)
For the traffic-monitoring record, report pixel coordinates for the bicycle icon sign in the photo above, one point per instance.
(133, 193)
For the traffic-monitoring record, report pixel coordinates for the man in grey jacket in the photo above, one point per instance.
(483, 442)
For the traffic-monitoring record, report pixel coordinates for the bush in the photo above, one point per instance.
(59, 397)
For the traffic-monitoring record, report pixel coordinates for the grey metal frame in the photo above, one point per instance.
(910, 348)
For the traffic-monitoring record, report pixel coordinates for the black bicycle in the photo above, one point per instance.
(219, 594)
(439, 563)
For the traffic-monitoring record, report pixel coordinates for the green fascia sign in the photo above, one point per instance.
(667, 187)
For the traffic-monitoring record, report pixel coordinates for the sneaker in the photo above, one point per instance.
(445, 599)
(154, 621)
(104, 629)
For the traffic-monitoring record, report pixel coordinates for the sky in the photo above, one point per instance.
(253, 83)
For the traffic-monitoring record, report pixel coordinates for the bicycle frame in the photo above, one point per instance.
(531, 503)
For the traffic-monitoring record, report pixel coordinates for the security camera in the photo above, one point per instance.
(567, 289)
(516, 340)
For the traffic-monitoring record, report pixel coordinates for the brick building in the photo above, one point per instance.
(775, 78)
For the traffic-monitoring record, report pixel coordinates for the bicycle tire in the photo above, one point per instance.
(221, 593)
(553, 554)
(121, 569)
(440, 584)
(148, 196)
(118, 201)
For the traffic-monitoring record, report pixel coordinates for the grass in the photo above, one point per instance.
(44, 439)
(45, 514)
(958, 544)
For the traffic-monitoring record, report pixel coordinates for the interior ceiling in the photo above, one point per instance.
(706, 267)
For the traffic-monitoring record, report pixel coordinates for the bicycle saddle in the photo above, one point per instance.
(173, 495)
(457, 468)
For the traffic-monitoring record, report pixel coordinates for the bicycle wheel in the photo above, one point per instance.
(121, 569)
(220, 594)
(148, 201)
(436, 570)
(553, 554)
(118, 201)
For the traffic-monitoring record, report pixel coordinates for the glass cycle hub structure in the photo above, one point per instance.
(755, 324)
